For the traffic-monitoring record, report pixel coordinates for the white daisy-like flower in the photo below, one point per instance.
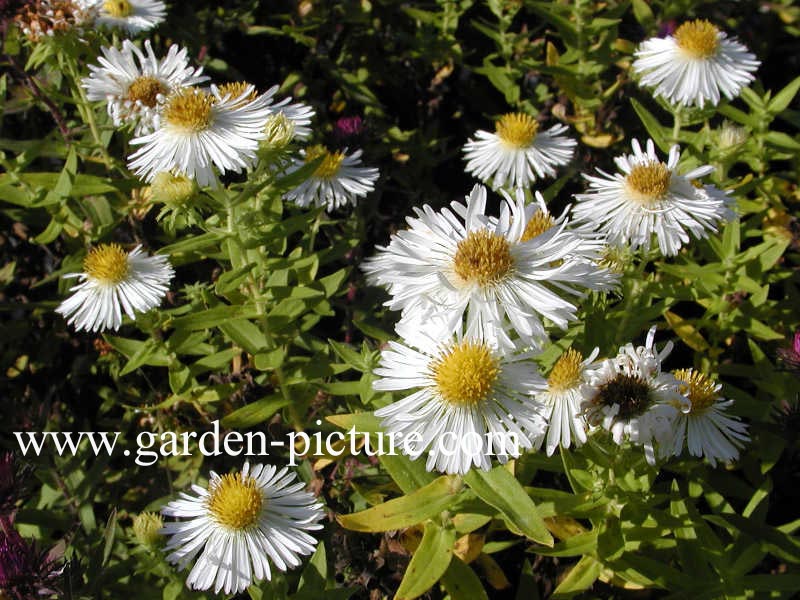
(517, 153)
(114, 281)
(649, 197)
(471, 402)
(133, 16)
(200, 129)
(695, 65)
(562, 400)
(706, 430)
(134, 83)
(632, 398)
(239, 525)
(461, 263)
(337, 181)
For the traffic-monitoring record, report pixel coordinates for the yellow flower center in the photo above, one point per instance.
(236, 502)
(698, 38)
(648, 182)
(330, 164)
(146, 89)
(189, 110)
(538, 224)
(107, 263)
(698, 387)
(235, 90)
(566, 373)
(483, 257)
(118, 8)
(466, 373)
(517, 130)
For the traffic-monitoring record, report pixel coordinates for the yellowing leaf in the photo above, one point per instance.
(408, 510)
(429, 562)
(468, 547)
(686, 331)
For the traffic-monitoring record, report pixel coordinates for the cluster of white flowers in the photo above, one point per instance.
(478, 293)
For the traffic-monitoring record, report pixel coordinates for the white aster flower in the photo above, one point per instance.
(337, 181)
(135, 83)
(114, 281)
(517, 153)
(133, 16)
(239, 524)
(471, 402)
(198, 130)
(563, 398)
(706, 430)
(649, 197)
(298, 114)
(462, 263)
(630, 396)
(695, 66)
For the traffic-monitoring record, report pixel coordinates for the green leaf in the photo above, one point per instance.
(783, 98)
(363, 422)
(643, 14)
(577, 545)
(349, 355)
(580, 578)
(782, 141)
(654, 128)
(312, 581)
(149, 353)
(527, 588)
(429, 563)
(416, 507)
(408, 474)
(255, 413)
(108, 535)
(214, 317)
(462, 583)
(245, 334)
(500, 489)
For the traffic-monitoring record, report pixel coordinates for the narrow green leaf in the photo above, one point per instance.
(255, 413)
(654, 128)
(500, 489)
(429, 563)
(408, 474)
(245, 334)
(416, 507)
(643, 14)
(783, 98)
(580, 578)
(462, 583)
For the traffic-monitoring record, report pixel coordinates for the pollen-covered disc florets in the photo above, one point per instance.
(240, 526)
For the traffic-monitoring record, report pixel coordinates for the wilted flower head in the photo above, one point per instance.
(25, 571)
(41, 18)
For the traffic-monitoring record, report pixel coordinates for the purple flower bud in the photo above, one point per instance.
(791, 355)
(667, 28)
(348, 127)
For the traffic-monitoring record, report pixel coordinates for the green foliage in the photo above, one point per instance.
(271, 327)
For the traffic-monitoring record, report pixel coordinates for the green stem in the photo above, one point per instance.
(676, 125)
(87, 112)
